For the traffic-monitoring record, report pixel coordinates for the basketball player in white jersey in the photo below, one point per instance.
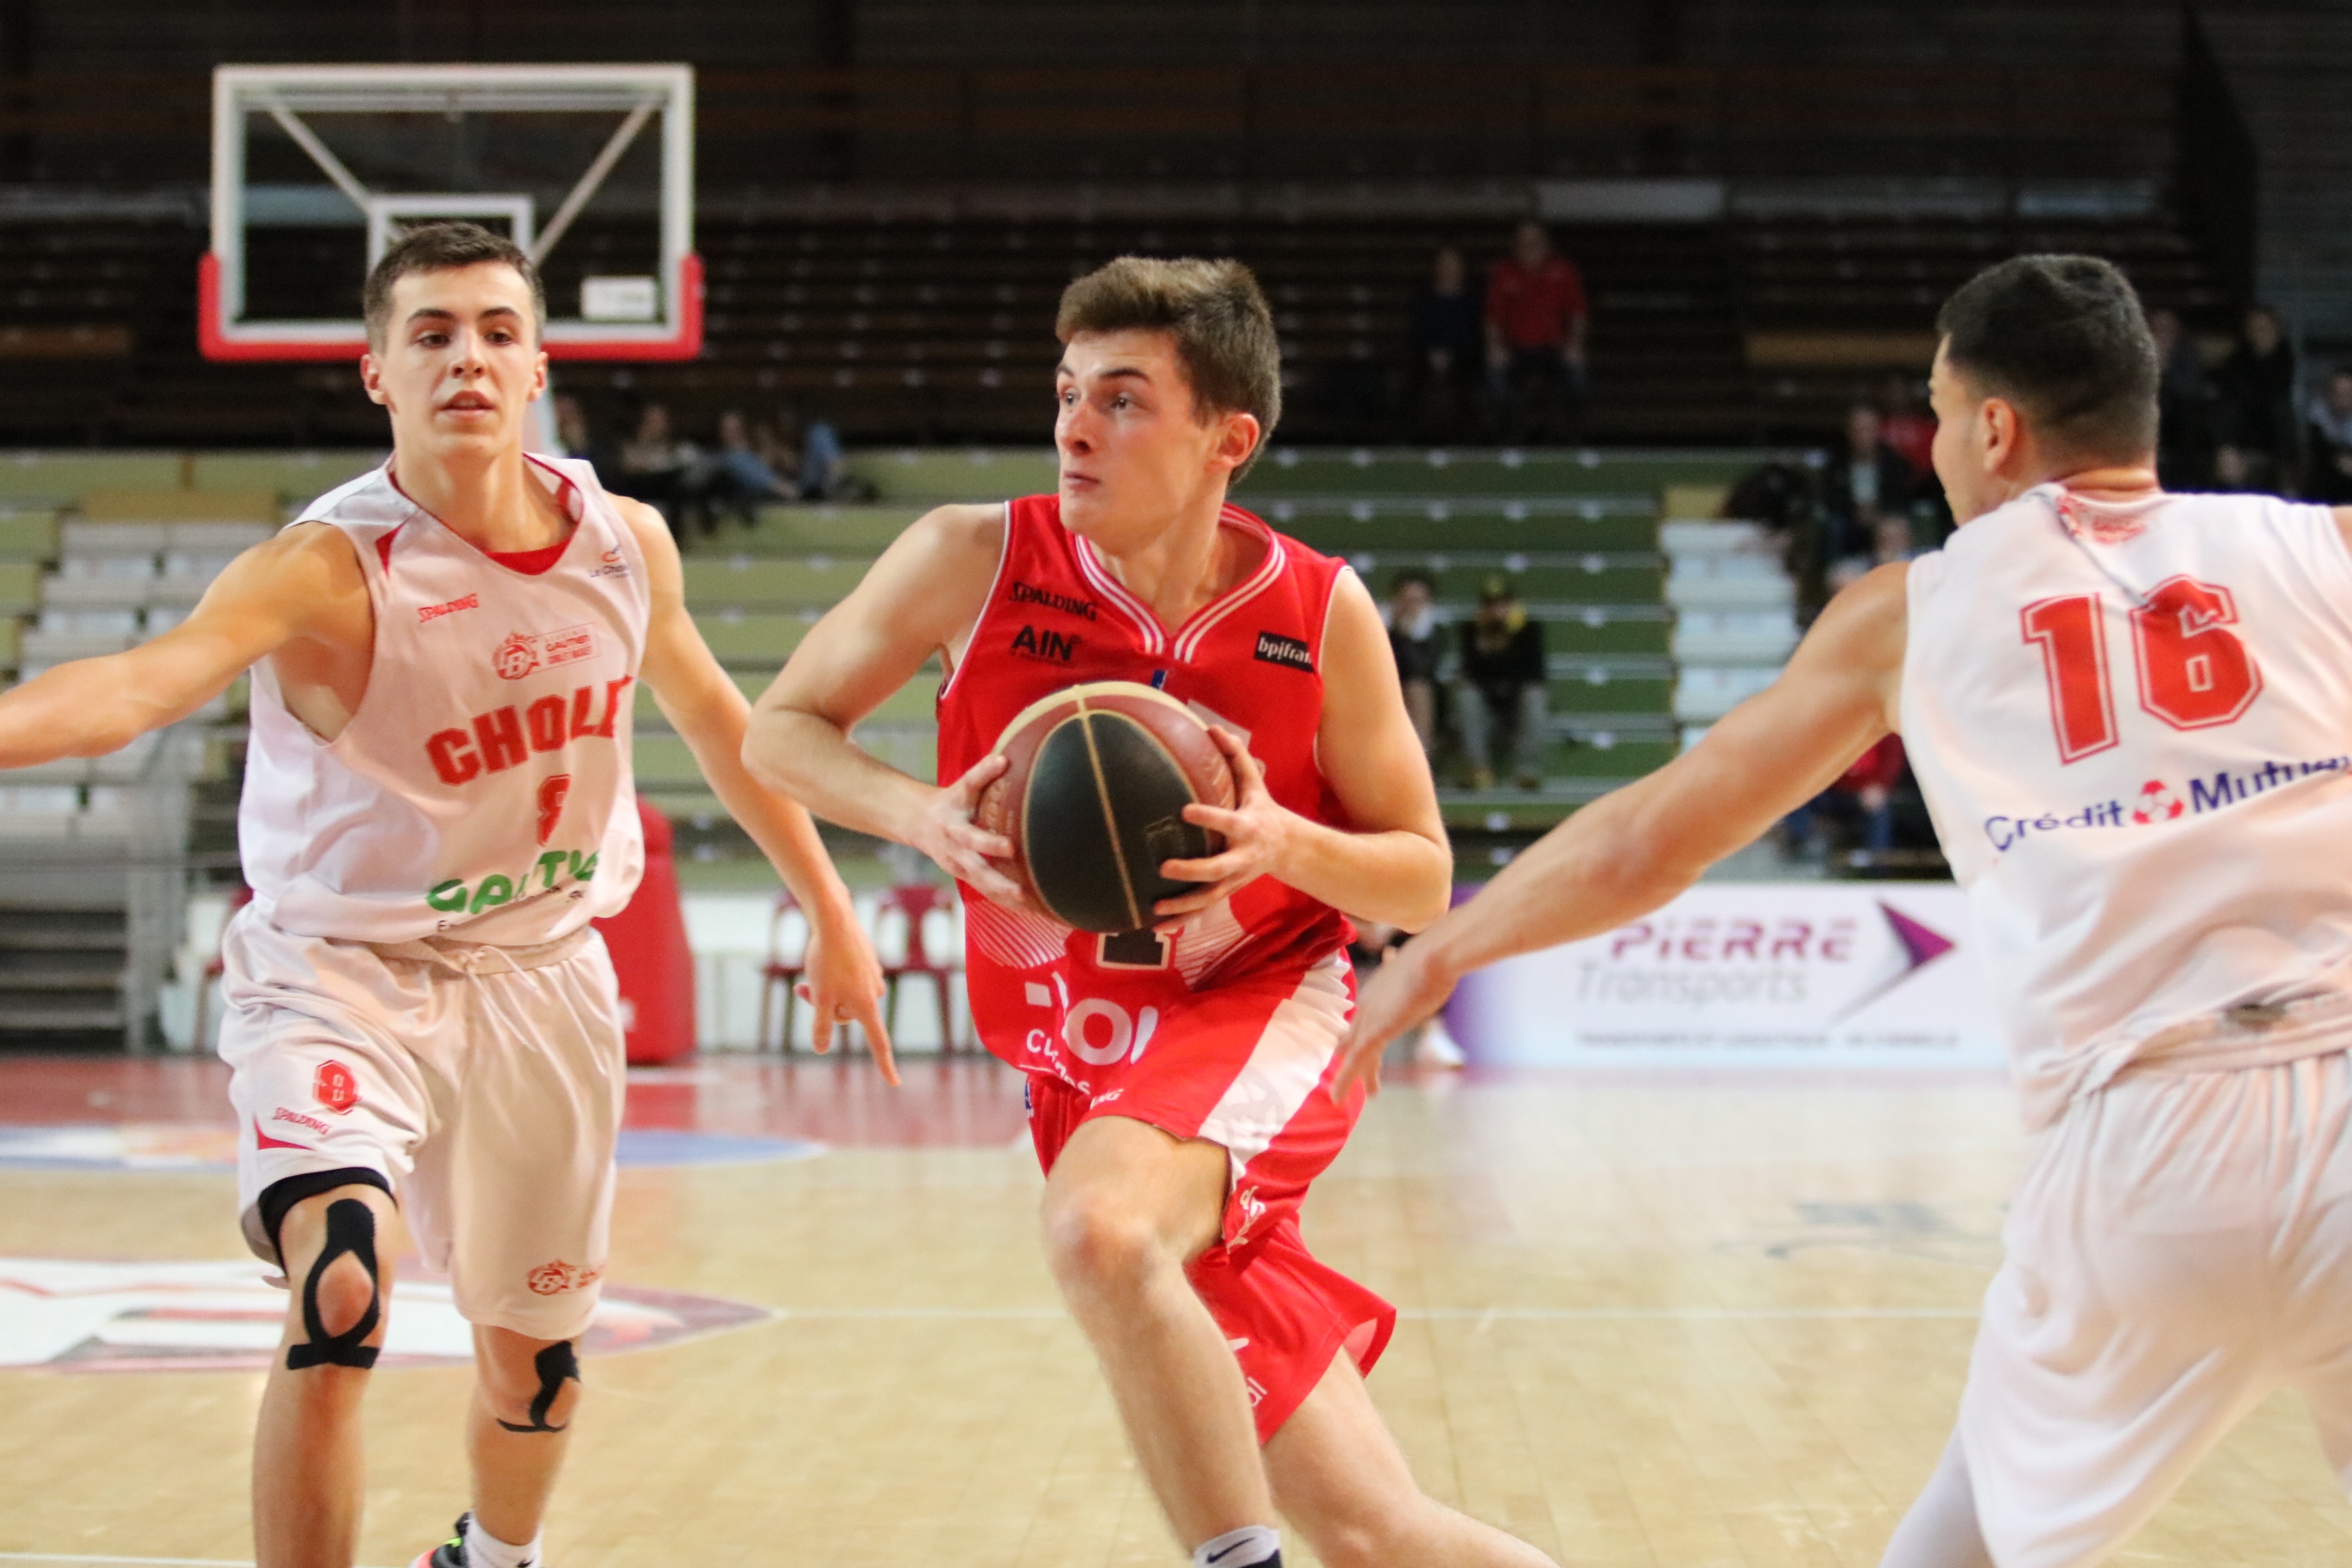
(438, 799)
(2130, 713)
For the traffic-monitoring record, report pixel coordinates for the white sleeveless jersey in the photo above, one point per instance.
(484, 787)
(2132, 727)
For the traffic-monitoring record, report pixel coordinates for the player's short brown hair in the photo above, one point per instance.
(2064, 338)
(444, 248)
(1216, 313)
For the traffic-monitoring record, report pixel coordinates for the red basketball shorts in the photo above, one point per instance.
(1247, 1066)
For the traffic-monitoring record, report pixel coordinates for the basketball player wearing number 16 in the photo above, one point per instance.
(423, 1029)
(2130, 712)
(1177, 1078)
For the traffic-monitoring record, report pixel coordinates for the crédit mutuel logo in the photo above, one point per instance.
(2158, 801)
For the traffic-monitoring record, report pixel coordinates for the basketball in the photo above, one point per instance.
(1094, 801)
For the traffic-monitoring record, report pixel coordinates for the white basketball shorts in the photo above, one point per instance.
(2181, 1247)
(484, 1084)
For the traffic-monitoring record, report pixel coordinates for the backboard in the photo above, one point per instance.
(315, 169)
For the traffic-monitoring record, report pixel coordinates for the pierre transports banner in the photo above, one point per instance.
(1833, 976)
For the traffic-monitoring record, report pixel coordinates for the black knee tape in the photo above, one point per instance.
(278, 1198)
(351, 1228)
(556, 1365)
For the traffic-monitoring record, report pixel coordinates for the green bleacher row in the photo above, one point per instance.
(1578, 530)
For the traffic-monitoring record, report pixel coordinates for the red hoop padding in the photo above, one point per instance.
(687, 344)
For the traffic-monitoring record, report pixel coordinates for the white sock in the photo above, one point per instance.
(484, 1550)
(1251, 1546)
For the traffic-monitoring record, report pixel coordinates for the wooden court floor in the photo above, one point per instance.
(1672, 1321)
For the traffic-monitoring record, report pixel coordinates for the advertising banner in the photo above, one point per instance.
(1835, 975)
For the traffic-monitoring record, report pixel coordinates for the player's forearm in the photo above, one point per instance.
(778, 824)
(1594, 872)
(1398, 877)
(809, 757)
(85, 709)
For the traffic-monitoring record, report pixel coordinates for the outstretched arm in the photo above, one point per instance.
(925, 592)
(302, 583)
(844, 979)
(1631, 850)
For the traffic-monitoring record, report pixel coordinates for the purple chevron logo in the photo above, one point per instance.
(1921, 947)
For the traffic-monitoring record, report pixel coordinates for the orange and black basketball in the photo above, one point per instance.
(1094, 801)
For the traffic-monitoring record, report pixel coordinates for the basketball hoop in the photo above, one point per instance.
(496, 144)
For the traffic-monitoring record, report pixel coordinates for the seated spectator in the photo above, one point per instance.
(655, 467)
(2258, 427)
(825, 467)
(735, 477)
(1536, 318)
(1447, 343)
(1501, 692)
(2184, 407)
(1908, 426)
(1863, 800)
(572, 435)
(1412, 639)
(1866, 493)
(2329, 434)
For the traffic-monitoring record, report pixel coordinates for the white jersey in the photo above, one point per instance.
(2132, 725)
(484, 785)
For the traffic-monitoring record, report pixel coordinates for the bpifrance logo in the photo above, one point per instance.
(2156, 803)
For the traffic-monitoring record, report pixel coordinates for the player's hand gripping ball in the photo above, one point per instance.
(1093, 800)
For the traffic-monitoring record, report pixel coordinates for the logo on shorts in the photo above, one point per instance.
(334, 1086)
(1277, 649)
(552, 792)
(1252, 1209)
(554, 1278)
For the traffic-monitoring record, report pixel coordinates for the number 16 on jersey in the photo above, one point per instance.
(2194, 673)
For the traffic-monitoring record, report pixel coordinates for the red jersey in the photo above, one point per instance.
(1533, 310)
(1251, 659)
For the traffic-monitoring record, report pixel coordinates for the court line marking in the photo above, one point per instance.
(1447, 1314)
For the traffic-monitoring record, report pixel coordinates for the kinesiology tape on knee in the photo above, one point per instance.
(350, 1229)
(556, 1366)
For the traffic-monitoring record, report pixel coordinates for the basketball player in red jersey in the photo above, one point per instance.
(1175, 1075)
(2126, 711)
(437, 800)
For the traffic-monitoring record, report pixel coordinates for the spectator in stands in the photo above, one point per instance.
(656, 467)
(2259, 429)
(733, 477)
(1861, 799)
(1501, 692)
(1412, 639)
(1908, 426)
(2328, 436)
(2184, 407)
(825, 467)
(1536, 318)
(1448, 343)
(1866, 494)
(572, 434)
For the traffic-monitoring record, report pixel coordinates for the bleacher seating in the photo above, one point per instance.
(901, 326)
